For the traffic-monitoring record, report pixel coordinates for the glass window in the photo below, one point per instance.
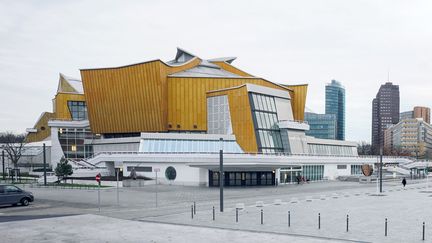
(78, 110)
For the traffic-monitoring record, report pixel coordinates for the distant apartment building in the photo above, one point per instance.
(321, 125)
(417, 112)
(385, 112)
(335, 105)
(422, 112)
(409, 137)
(406, 115)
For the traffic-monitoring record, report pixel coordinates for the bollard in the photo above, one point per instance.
(347, 225)
(423, 231)
(192, 207)
(289, 219)
(319, 220)
(385, 228)
(213, 213)
(236, 215)
(262, 216)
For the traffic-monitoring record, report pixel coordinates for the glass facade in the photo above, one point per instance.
(188, 146)
(289, 175)
(313, 172)
(249, 178)
(356, 170)
(293, 174)
(72, 142)
(266, 123)
(321, 125)
(335, 104)
(335, 150)
(78, 110)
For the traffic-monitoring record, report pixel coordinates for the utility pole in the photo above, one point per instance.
(221, 175)
(44, 164)
(381, 168)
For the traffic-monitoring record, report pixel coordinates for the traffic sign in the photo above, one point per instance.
(98, 177)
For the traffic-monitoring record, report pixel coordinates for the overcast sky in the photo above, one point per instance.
(290, 42)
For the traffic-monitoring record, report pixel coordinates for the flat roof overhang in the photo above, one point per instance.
(240, 166)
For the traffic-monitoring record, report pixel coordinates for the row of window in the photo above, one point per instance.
(356, 170)
(188, 146)
(263, 103)
(320, 149)
(313, 172)
(266, 123)
(266, 120)
(270, 139)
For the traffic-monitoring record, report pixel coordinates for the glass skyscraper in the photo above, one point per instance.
(335, 104)
(321, 125)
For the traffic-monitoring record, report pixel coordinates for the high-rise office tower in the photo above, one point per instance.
(321, 125)
(335, 104)
(385, 112)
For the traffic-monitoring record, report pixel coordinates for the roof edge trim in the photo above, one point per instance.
(140, 63)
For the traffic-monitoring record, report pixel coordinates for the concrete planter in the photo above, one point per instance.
(137, 183)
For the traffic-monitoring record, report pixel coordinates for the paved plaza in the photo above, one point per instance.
(137, 215)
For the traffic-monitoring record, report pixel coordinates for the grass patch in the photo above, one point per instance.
(71, 186)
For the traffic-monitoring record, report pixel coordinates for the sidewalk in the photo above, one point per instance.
(93, 228)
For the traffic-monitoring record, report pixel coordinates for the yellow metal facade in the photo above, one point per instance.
(187, 103)
(43, 131)
(61, 109)
(129, 99)
(298, 100)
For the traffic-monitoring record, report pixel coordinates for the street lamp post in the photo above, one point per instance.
(3, 160)
(221, 175)
(44, 164)
(381, 168)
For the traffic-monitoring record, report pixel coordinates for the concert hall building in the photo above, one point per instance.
(179, 114)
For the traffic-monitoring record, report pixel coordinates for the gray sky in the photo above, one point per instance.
(355, 42)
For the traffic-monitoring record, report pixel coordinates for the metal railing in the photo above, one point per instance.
(228, 153)
(297, 121)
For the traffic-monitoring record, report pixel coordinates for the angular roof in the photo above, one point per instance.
(205, 69)
(69, 85)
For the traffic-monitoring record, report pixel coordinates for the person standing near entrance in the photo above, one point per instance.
(404, 182)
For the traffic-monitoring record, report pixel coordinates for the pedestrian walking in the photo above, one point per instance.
(404, 182)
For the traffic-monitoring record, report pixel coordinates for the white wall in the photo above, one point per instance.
(56, 149)
(332, 172)
(186, 175)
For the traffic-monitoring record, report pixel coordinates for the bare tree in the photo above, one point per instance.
(364, 148)
(13, 145)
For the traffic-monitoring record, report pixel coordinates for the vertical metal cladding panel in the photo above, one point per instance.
(126, 99)
(298, 98)
(241, 117)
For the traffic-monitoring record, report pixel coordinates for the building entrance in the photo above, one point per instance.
(289, 175)
(243, 178)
